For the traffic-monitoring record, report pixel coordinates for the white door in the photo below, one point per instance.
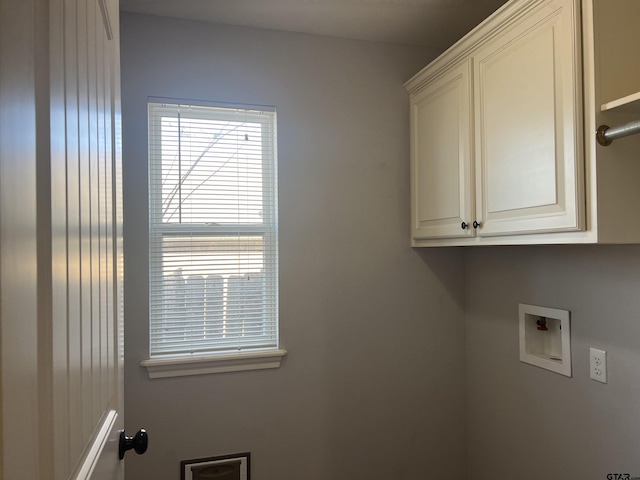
(441, 161)
(528, 125)
(61, 357)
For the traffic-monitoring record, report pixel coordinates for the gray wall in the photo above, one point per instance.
(531, 424)
(373, 386)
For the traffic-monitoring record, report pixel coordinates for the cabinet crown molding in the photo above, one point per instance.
(501, 19)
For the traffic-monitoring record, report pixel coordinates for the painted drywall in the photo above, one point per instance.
(529, 423)
(373, 386)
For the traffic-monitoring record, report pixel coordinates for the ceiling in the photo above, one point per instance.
(431, 23)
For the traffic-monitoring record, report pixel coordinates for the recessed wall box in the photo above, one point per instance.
(545, 338)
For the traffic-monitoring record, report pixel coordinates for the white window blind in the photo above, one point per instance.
(213, 247)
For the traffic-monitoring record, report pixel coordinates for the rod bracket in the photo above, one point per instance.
(600, 136)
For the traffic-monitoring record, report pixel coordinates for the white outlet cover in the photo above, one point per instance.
(548, 348)
(598, 365)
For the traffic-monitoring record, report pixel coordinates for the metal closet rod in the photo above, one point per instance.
(606, 135)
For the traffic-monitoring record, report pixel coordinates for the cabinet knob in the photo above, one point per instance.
(475, 224)
(464, 225)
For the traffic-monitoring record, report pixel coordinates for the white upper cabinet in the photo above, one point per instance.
(503, 130)
(528, 121)
(441, 168)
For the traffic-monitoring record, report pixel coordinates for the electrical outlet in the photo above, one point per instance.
(598, 364)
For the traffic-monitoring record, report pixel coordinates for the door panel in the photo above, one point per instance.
(60, 241)
(95, 84)
(441, 190)
(530, 179)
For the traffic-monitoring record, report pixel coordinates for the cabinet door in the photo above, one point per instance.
(441, 168)
(528, 124)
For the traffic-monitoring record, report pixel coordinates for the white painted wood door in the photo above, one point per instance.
(528, 149)
(61, 357)
(441, 162)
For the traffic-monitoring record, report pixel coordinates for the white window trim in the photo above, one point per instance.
(207, 364)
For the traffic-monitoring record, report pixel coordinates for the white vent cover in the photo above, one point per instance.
(228, 467)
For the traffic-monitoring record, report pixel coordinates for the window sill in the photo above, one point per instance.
(207, 364)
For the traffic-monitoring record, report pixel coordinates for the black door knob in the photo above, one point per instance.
(475, 224)
(464, 225)
(139, 442)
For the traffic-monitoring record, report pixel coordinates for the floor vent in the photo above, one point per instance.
(226, 467)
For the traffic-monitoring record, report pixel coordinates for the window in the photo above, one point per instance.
(213, 245)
